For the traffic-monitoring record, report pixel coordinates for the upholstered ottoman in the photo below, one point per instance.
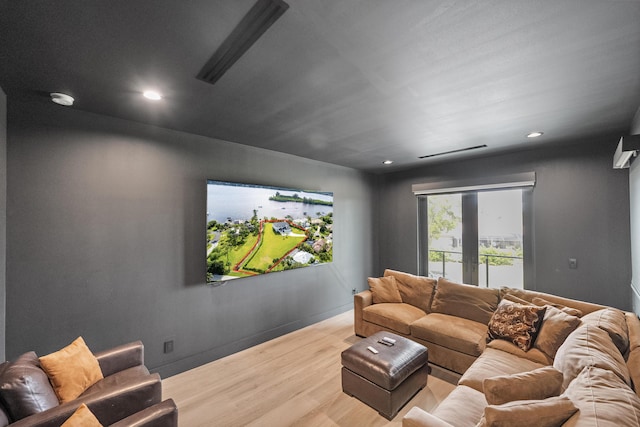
(388, 379)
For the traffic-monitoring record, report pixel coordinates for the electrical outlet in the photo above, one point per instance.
(168, 346)
(573, 263)
(353, 291)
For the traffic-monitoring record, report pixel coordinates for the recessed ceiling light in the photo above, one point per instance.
(62, 99)
(152, 95)
(387, 162)
(535, 134)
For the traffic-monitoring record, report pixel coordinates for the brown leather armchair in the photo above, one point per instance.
(164, 414)
(127, 389)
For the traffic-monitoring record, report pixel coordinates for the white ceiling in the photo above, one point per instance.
(350, 82)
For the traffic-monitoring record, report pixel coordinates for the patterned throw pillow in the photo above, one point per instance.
(517, 323)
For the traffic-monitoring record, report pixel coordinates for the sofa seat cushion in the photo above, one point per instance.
(393, 316)
(455, 333)
(589, 346)
(603, 400)
(533, 354)
(462, 408)
(493, 363)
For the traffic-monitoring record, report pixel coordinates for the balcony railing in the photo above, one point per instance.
(483, 257)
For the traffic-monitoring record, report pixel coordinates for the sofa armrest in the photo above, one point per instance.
(164, 414)
(121, 357)
(110, 406)
(417, 417)
(360, 301)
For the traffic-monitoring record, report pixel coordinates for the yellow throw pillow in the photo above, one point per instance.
(71, 370)
(384, 289)
(82, 417)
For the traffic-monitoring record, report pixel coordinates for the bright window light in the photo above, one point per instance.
(152, 95)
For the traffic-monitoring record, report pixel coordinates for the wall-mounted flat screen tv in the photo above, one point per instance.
(256, 229)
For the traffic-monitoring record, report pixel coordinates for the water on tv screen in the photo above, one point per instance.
(255, 229)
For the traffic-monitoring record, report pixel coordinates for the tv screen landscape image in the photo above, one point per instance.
(256, 229)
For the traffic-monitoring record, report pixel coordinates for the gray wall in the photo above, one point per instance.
(106, 239)
(634, 200)
(580, 210)
(3, 217)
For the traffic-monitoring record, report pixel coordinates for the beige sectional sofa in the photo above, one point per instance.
(579, 364)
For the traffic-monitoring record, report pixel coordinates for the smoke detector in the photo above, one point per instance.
(62, 99)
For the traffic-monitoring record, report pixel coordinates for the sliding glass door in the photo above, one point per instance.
(475, 237)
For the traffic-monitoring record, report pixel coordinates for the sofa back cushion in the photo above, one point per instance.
(569, 310)
(25, 388)
(467, 301)
(603, 399)
(614, 323)
(415, 290)
(583, 306)
(589, 346)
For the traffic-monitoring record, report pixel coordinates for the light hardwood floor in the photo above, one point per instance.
(293, 380)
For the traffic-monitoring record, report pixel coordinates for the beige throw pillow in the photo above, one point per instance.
(516, 323)
(71, 370)
(551, 412)
(538, 384)
(466, 301)
(384, 289)
(415, 290)
(82, 417)
(555, 328)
